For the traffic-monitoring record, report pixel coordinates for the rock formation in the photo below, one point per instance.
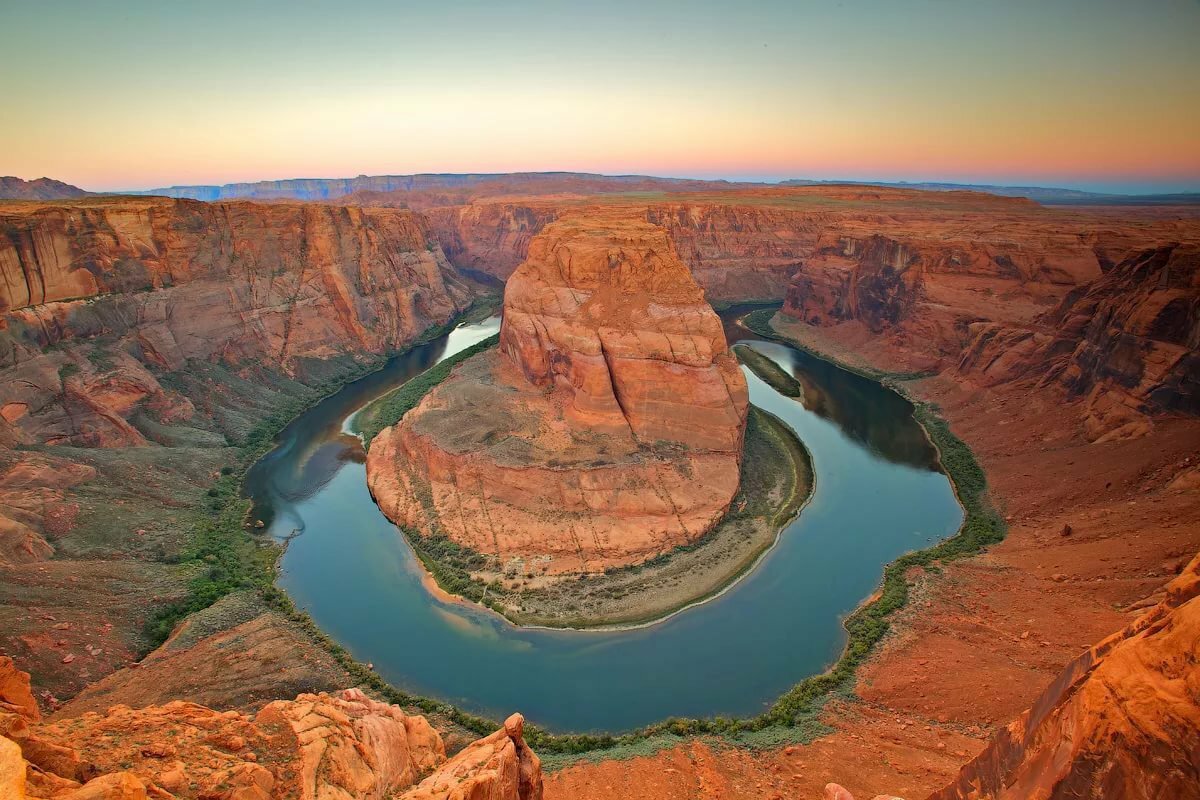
(608, 428)
(100, 296)
(1127, 343)
(489, 237)
(876, 281)
(141, 338)
(1122, 720)
(12, 188)
(342, 746)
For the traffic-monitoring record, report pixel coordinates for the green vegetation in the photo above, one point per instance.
(769, 371)
(387, 410)
(221, 553)
(227, 559)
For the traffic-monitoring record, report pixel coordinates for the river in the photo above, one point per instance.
(878, 494)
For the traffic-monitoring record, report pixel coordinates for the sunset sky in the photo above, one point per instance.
(1094, 94)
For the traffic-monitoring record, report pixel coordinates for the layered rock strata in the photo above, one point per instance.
(1127, 343)
(101, 296)
(607, 428)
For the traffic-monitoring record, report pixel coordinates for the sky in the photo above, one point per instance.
(1095, 94)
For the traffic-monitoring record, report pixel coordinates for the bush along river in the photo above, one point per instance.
(878, 494)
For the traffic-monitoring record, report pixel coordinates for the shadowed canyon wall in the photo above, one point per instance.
(1127, 343)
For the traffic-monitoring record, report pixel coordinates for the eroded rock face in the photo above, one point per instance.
(1127, 343)
(124, 288)
(489, 237)
(1122, 720)
(877, 281)
(342, 746)
(606, 430)
(605, 312)
(497, 767)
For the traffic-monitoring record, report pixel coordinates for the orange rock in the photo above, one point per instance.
(606, 430)
(114, 786)
(342, 746)
(16, 694)
(1123, 719)
(349, 745)
(605, 311)
(489, 237)
(173, 280)
(497, 767)
(12, 770)
(1126, 343)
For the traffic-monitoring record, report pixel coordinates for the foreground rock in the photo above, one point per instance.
(1123, 719)
(341, 746)
(606, 430)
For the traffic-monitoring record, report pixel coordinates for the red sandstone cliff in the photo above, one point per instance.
(1127, 343)
(492, 238)
(161, 282)
(607, 429)
(171, 328)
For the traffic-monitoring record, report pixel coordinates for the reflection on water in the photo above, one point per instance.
(315, 446)
(875, 498)
(858, 406)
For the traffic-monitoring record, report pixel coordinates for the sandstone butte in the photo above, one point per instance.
(607, 428)
(340, 746)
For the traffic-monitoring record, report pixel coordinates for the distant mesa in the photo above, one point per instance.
(12, 188)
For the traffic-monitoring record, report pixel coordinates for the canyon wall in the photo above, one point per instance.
(142, 340)
(101, 297)
(492, 238)
(1127, 343)
(606, 430)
